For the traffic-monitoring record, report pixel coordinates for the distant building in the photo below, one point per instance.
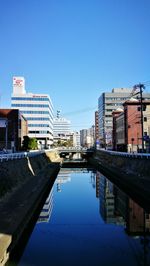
(76, 139)
(13, 127)
(87, 137)
(37, 109)
(96, 126)
(61, 128)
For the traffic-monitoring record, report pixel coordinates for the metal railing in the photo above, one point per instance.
(18, 155)
(127, 154)
(71, 149)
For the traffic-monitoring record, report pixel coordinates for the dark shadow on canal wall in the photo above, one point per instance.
(24, 200)
(135, 187)
(18, 249)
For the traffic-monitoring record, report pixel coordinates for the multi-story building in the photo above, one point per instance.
(87, 137)
(76, 139)
(118, 132)
(133, 125)
(107, 103)
(127, 127)
(96, 126)
(37, 109)
(62, 129)
(13, 127)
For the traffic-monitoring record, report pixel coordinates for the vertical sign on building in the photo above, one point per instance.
(18, 85)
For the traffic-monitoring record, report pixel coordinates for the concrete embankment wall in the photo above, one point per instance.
(129, 173)
(29, 180)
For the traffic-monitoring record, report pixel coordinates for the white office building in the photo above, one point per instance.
(61, 127)
(37, 109)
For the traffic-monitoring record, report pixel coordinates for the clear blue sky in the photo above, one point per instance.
(74, 50)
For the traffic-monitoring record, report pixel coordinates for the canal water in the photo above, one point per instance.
(86, 220)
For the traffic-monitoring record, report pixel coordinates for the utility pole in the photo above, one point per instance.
(141, 87)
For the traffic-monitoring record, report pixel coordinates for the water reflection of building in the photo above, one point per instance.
(62, 178)
(107, 200)
(98, 184)
(47, 209)
(137, 221)
(93, 179)
(117, 207)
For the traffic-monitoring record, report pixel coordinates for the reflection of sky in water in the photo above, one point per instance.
(87, 225)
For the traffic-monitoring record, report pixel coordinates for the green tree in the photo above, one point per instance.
(29, 143)
(32, 145)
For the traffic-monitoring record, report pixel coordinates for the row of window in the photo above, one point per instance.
(113, 104)
(30, 105)
(38, 125)
(29, 99)
(117, 98)
(38, 118)
(39, 132)
(37, 112)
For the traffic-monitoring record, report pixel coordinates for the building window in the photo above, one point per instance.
(145, 119)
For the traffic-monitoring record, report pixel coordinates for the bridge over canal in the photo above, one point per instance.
(71, 151)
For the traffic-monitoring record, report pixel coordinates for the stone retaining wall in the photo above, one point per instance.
(130, 174)
(128, 165)
(29, 180)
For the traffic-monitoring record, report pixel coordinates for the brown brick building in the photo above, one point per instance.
(127, 130)
(13, 127)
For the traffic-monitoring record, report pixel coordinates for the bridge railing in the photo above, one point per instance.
(127, 154)
(71, 149)
(18, 155)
